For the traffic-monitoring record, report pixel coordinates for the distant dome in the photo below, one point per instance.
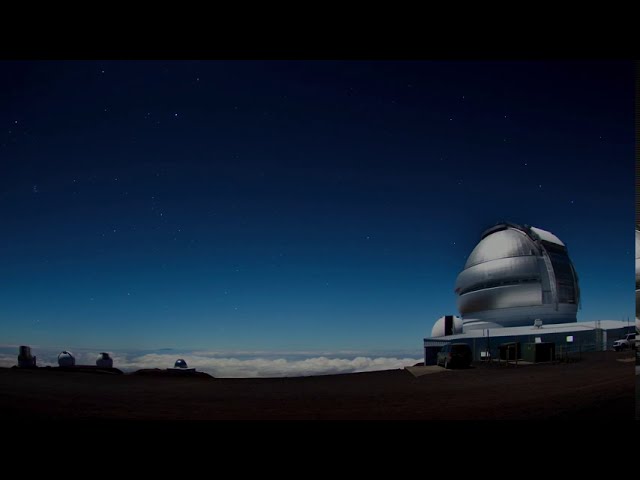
(449, 322)
(25, 359)
(180, 363)
(104, 361)
(66, 359)
(517, 274)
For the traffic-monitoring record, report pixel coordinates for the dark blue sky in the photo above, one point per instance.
(280, 205)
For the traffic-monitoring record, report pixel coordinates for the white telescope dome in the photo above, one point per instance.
(66, 359)
(515, 275)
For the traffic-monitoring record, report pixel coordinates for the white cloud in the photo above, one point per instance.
(266, 367)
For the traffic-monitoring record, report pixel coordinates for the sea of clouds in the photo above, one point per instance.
(221, 364)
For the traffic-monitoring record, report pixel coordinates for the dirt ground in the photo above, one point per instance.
(600, 386)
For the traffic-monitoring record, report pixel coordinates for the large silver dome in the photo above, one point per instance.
(515, 275)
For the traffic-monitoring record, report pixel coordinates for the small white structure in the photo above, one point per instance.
(104, 361)
(25, 359)
(447, 325)
(181, 366)
(66, 359)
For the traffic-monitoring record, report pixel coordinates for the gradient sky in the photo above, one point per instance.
(296, 205)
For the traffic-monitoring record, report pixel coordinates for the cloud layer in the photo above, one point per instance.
(270, 365)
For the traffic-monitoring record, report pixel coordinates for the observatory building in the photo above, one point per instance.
(66, 359)
(25, 359)
(181, 367)
(516, 275)
(519, 285)
(637, 278)
(104, 361)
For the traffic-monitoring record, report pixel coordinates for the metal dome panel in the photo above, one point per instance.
(516, 275)
(501, 244)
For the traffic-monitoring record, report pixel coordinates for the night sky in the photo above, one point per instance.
(297, 205)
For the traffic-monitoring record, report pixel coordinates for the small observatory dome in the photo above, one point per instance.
(104, 361)
(447, 325)
(180, 363)
(66, 359)
(517, 274)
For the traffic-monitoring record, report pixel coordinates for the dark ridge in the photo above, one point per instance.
(77, 368)
(157, 372)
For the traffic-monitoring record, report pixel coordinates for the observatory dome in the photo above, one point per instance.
(447, 325)
(515, 275)
(66, 359)
(180, 363)
(104, 361)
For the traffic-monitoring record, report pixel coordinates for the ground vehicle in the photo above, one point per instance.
(629, 341)
(454, 355)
